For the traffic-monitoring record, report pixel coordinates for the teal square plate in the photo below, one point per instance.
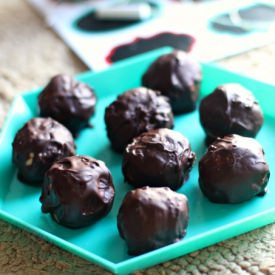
(100, 243)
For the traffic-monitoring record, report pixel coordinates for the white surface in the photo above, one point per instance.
(187, 17)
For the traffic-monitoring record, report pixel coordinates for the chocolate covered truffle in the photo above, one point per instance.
(68, 101)
(178, 76)
(77, 191)
(37, 145)
(134, 112)
(230, 109)
(150, 218)
(233, 170)
(158, 158)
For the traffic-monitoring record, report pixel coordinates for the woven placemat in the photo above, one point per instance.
(30, 54)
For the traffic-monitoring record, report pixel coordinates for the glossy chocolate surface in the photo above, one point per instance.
(37, 145)
(233, 170)
(150, 218)
(68, 101)
(158, 158)
(77, 191)
(178, 77)
(230, 109)
(134, 112)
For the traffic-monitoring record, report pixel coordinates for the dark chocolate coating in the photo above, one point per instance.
(134, 112)
(77, 191)
(233, 170)
(230, 109)
(158, 158)
(178, 76)
(37, 145)
(68, 101)
(150, 218)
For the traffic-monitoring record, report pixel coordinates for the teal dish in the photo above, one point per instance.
(100, 243)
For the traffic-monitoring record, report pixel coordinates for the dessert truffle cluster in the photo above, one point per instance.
(76, 190)
(233, 169)
(156, 160)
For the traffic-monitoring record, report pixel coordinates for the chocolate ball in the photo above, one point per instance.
(77, 191)
(68, 101)
(134, 112)
(158, 158)
(150, 218)
(37, 145)
(230, 109)
(178, 76)
(233, 170)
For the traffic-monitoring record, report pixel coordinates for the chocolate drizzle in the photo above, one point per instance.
(77, 191)
(68, 101)
(233, 170)
(178, 77)
(150, 218)
(37, 145)
(134, 112)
